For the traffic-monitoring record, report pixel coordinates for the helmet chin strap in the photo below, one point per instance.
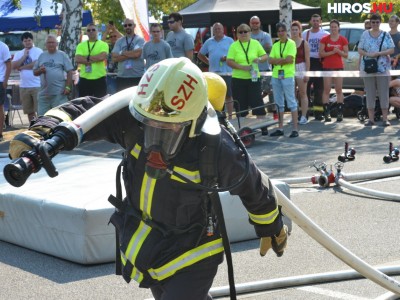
(155, 167)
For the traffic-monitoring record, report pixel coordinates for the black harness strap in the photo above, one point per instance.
(117, 202)
(210, 145)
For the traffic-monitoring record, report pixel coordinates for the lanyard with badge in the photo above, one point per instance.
(128, 64)
(253, 71)
(281, 73)
(88, 68)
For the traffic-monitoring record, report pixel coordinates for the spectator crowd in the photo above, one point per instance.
(119, 60)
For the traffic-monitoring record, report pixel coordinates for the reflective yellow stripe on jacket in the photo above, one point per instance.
(133, 248)
(265, 218)
(146, 200)
(187, 259)
(59, 114)
(136, 151)
(193, 176)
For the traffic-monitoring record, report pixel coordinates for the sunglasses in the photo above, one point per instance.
(156, 31)
(91, 30)
(242, 32)
(126, 25)
(375, 22)
(171, 22)
(113, 36)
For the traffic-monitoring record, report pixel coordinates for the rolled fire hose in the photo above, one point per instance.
(312, 229)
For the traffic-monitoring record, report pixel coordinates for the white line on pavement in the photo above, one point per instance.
(333, 294)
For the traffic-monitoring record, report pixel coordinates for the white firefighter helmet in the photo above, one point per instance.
(172, 93)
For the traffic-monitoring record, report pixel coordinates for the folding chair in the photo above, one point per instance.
(15, 106)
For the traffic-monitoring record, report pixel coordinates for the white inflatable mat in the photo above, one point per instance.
(67, 216)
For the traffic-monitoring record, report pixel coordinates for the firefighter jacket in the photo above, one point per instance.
(163, 223)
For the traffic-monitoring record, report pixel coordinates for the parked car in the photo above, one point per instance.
(353, 34)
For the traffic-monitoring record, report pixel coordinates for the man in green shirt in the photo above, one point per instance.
(91, 55)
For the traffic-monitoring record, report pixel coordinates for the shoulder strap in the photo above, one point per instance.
(209, 151)
(308, 35)
(383, 38)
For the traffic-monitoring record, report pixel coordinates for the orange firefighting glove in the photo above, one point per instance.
(276, 242)
(23, 142)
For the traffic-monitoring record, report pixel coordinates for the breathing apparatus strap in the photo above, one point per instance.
(117, 202)
(209, 151)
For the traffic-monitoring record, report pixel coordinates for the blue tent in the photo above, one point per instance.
(13, 19)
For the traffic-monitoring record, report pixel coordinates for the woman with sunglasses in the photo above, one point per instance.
(370, 48)
(243, 57)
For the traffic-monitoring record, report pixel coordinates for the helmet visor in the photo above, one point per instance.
(163, 136)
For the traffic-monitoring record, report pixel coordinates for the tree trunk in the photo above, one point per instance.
(71, 27)
(285, 13)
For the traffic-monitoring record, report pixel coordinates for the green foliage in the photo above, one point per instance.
(396, 9)
(157, 8)
(104, 11)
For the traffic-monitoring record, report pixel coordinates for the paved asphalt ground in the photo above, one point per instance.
(367, 226)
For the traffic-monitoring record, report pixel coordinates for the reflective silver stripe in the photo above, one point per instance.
(136, 151)
(266, 218)
(136, 242)
(146, 195)
(136, 274)
(187, 259)
(193, 176)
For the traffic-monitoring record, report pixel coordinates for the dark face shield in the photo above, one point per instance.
(167, 138)
(164, 137)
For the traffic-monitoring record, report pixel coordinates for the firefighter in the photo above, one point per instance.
(169, 237)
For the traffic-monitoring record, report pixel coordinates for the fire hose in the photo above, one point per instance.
(314, 231)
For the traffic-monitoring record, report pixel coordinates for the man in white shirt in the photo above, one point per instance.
(313, 36)
(29, 84)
